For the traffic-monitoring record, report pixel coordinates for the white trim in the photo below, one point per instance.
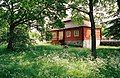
(76, 33)
(68, 33)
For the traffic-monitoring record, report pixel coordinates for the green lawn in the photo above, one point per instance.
(54, 61)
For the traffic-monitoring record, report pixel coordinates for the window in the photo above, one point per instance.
(76, 33)
(60, 35)
(54, 35)
(68, 33)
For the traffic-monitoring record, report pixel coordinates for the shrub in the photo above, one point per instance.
(21, 38)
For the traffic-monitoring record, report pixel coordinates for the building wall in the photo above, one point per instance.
(82, 40)
(87, 43)
(55, 37)
(73, 39)
(78, 43)
(87, 37)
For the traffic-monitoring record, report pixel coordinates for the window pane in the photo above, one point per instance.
(76, 33)
(54, 35)
(68, 33)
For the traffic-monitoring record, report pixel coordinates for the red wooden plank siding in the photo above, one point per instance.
(83, 39)
(87, 33)
(72, 37)
(55, 40)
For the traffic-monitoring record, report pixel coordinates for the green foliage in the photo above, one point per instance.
(111, 68)
(77, 18)
(106, 33)
(21, 37)
(48, 36)
(20, 12)
(34, 35)
(53, 61)
(3, 31)
(58, 24)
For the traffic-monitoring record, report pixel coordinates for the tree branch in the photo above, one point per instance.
(80, 10)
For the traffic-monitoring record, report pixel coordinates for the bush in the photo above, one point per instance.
(53, 61)
(3, 32)
(48, 36)
(21, 37)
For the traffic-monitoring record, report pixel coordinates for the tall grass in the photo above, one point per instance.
(54, 61)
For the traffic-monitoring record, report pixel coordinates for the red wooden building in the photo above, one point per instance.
(75, 35)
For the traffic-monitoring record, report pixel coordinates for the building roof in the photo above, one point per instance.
(67, 20)
(73, 28)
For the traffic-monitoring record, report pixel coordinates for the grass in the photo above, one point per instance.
(54, 61)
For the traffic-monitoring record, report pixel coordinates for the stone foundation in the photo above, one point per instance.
(75, 43)
(87, 43)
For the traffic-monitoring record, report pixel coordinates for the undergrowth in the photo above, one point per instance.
(54, 61)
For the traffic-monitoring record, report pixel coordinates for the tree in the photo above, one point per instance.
(93, 36)
(17, 12)
(114, 24)
(77, 5)
(3, 32)
(114, 29)
(92, 8)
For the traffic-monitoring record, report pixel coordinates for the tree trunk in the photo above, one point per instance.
(93, 36)
(10, 40)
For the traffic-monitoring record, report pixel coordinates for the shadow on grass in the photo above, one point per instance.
(3, 50)
(45, 50)
(111, 68)
(35, 61)
(28, 64)
(108, 52)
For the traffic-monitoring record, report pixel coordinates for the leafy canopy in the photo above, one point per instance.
(17, 14)
(21, 11)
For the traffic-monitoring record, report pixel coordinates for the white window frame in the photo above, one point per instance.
(68, 33)
(76, 33)
(54, 35)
